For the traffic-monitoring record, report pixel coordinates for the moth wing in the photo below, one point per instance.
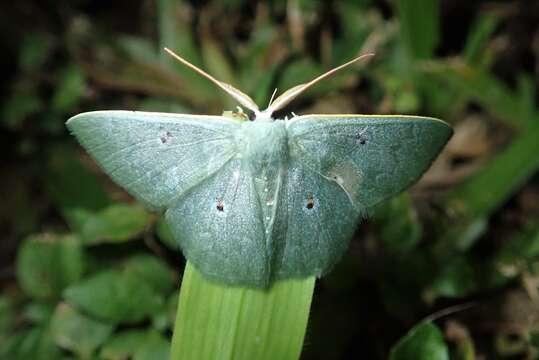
(156, 156)
(313, 223)
(220, 228)
(339, 167)
(370, 157)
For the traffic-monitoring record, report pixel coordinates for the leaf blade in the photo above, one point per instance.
(240, 323)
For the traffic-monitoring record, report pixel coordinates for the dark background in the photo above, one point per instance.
(467, 233)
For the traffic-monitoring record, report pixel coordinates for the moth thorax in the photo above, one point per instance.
(262, 141)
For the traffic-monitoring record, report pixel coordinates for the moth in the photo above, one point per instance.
(251, 202)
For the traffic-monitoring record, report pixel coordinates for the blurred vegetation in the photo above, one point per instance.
(86, 273)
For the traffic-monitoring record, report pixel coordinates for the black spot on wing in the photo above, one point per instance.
(361, 139)
(309, 203)
(220, 205)
(165, 137)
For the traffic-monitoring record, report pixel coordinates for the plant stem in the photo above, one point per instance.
(221, 322)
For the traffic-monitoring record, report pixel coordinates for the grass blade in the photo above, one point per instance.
(222, 322)
(420, 28)
(477, 198)
(488, 189)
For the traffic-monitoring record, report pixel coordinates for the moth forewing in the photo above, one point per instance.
(156, 156)
(387, 153)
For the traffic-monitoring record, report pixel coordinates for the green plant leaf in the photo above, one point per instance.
(136, 345)
(76, 332)
(139, 48)
(7, 316)
(70, 89)
(155, 347)
(300, 72)
(419, 26)
(165, 235)
(218, 65)
(240, 323)
(46, 264)
(71, 185)
(175, 31)
(488, 189)
(526, 93)
(35, 343)
(481, 86)
(457, 278)
(21, 103)
(524, 246)
(117, 296)
(481, 31)
(397, 224)
(357, 26)
(35, 50)
(515, 257)
(151, 270)
(423, 342)
(123, 345)
(164, 319)
(167, 26)
(116, 223)
(39, 312)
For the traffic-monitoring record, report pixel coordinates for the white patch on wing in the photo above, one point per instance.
(348, 178)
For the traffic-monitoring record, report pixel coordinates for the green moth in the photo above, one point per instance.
(255, 201)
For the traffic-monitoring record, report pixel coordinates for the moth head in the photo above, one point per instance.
(280, 102)
(236, 115)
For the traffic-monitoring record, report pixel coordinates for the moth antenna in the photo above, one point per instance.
(242, 98)
(272, 95)
(293, 92)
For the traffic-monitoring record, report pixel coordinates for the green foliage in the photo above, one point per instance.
(76, 332)
(115, 223)
(397, 224)
(47, 264)
(34, 343)
(96, 276)
(241, 323)
(423, 342)
(71, 86)
(71, 185)
(137, 345)
(419, 26)
(127, 295)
